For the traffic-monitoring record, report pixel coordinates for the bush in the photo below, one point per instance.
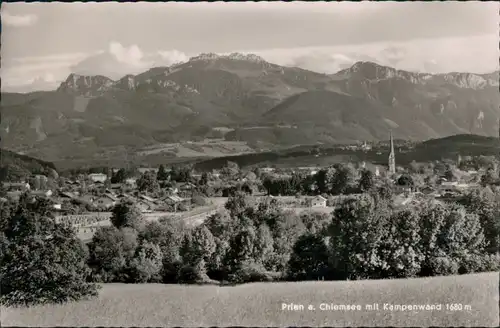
(251, 272)
(199, 201)
(479, 263)
(193, 274)
(443, 266)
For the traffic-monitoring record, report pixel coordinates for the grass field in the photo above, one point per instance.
(260, 304)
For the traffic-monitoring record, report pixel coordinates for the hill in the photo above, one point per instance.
(253, 101)
(13, 165)
(325, 155)
(260, 304)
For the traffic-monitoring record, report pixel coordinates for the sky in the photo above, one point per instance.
(42, 43)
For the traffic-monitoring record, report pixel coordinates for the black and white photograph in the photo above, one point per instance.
(258, 164)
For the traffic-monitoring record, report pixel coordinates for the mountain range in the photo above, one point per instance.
(244, 98)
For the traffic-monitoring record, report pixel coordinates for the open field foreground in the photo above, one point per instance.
(261, 304)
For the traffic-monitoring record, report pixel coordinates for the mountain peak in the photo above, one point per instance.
(233, 56)
(85, 84)
(205, 56)
(246, 57)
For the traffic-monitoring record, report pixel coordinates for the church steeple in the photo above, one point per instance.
(392, 157)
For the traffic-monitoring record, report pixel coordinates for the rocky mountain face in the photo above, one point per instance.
(256, 101)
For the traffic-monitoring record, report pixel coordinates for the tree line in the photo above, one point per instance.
(364, 238)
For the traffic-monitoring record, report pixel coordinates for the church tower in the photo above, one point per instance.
(392, 158)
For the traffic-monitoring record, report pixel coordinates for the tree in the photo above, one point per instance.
(486, 205)
(309, 259)
(230, 171)
(146, 264)
(324, 179)
(119, 177)
(126, 214)
(42, 261)
(450, 174)
(448, 234)
(147, 182)
(400, 249)
(242, 248)
(315, 222)
(162, 174)
(181, 173)
(222, 227)
(489, 177)
(237, 204)
(197, 249)
(111, 251)
(356, 234)
(366, 181)
(52, 174)
(343, 179)
(406, 180)
(204, 179)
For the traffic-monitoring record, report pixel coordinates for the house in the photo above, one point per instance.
(14, 195)
(42, 193)
(17, 186)
(41, 177)
(106, 201)
(145, 206)
(148, 199)
(317, 201)
(172, 201)
(131, 181)
(87, 199)
(98, 177)
(67, 195)
(124, 196)
(116, 186)
(143, 170)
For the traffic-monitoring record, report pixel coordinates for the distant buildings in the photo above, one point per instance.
(98, 177)
(21, 186)
(106, 201)
(317, 201)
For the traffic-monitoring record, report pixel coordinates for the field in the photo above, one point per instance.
(193, 217)
(260, 304)
(209, 148)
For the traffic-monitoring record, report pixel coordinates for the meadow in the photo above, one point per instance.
(260, 304)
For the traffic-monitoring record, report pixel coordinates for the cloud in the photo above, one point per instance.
(120, 60)
(420, 55)
(18, 20)
(394, 54)
(424, 55)
(46, 82)
(323, 62)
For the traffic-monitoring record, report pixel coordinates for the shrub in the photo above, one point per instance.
(479, 263)
(443, 266)
(199, 201)
(250, 271)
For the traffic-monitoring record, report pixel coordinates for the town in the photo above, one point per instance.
(250, 164)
